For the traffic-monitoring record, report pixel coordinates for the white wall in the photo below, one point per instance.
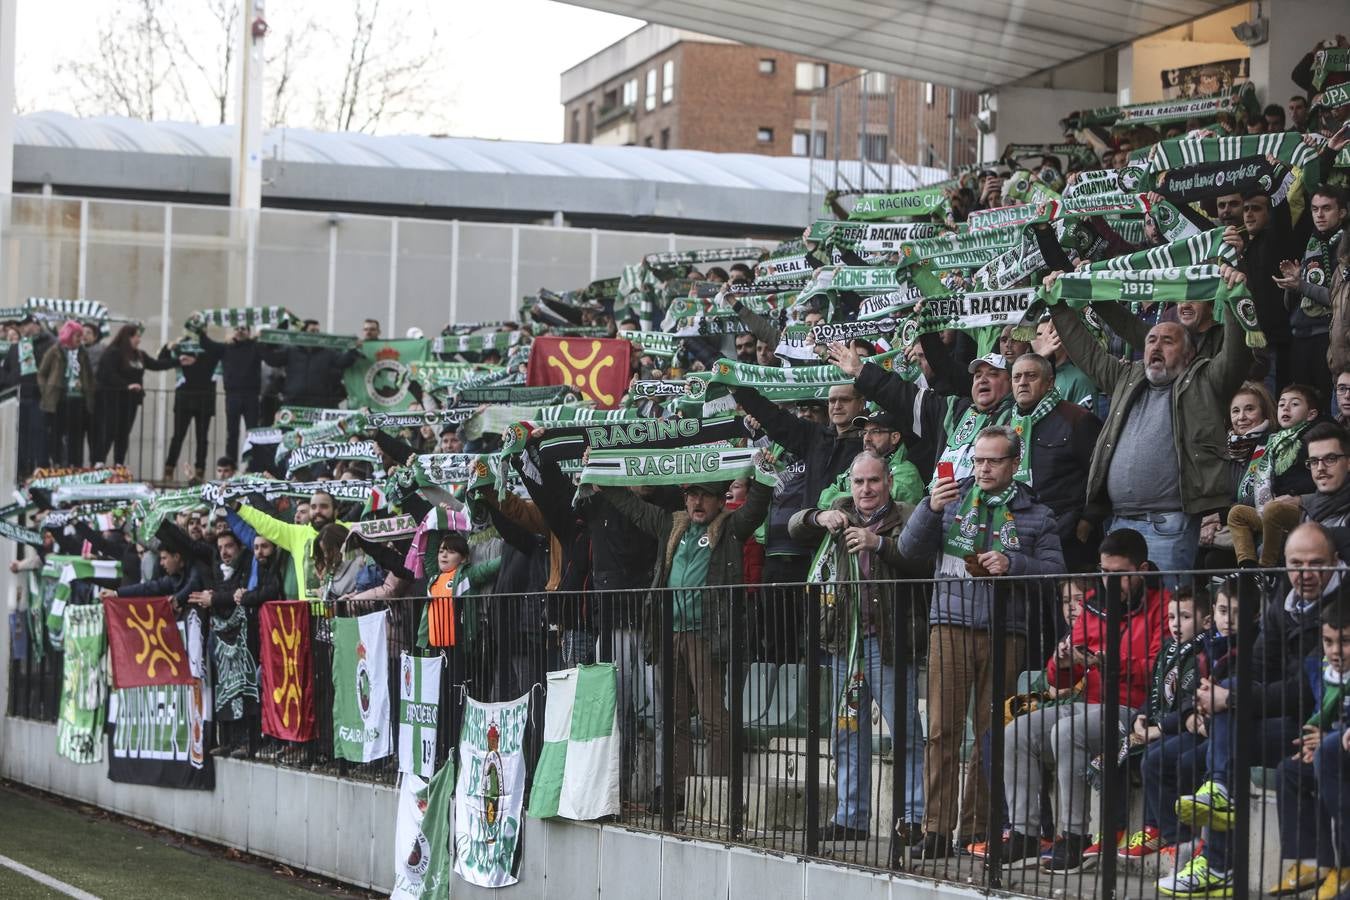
(1031, 115)
(1295, 28)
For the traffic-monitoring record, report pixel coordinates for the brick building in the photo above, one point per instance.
(667, 88)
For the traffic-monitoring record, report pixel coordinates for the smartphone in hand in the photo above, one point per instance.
(946, 470)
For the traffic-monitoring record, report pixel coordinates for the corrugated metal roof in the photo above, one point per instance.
(422, 153)
(971, 44)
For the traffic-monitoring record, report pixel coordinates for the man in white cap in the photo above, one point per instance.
(939, 423)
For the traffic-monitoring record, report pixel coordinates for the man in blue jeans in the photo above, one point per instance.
(1279, 702)
(868, 627)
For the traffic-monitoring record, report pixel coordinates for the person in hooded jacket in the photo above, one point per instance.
(66, 385)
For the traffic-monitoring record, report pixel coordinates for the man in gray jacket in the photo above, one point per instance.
(988, 526)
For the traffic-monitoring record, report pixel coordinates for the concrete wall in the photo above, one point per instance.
(1031, 115)
(344, 830)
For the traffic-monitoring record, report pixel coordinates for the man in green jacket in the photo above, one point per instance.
(881, 435)
(699, 550)
(1172, 397)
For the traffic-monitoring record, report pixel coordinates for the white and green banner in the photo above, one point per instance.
(378, 381)
(84, 685)
(361, 688)
(489, 791)
(422, 836)
(577, 775)
(419, 703)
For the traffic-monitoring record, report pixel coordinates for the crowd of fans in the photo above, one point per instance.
(1096, 458)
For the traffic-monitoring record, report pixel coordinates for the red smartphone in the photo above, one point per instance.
(946, 470)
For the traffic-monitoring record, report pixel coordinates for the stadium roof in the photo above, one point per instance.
(972, 44)
(508, 179)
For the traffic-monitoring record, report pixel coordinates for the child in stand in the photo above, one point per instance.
(1312, 787)
(1173, 760)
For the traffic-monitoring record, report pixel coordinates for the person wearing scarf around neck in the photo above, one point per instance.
(1312, 789)
(1251, 417)
(66, 387)
(1308, 284)
(1276, 475)
(869, 628)
(987, 526)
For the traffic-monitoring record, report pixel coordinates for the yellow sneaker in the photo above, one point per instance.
(1337, 880)
(1298, 877)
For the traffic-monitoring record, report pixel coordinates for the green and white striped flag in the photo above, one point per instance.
(419, 702)
(577, 776)
(64, 570)
(422, 850)
(361, 688)
(84, 686)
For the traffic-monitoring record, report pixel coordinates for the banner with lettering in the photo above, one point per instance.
(158, 737)
(422, 836)
(598, 367)
(489, 791)
(361, 688)
(378, 381)
(144, 645)
(287, 670)
(84, 686)
(419, 703)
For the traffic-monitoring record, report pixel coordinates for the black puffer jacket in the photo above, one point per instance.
(1061, 454)
(313, 374)
(241, 362)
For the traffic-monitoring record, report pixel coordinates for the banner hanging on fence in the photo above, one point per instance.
(419, 704)
(577, 775)
(84, 686)
(158, 737)
(287, 671)
(361, 688)
(489, 791)
(144, 646)
(422, 836)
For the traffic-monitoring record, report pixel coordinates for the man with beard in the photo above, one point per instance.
(297, 540)
(1172, 398)
(881, 435)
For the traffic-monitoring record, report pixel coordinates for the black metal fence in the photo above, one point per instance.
(911, 725)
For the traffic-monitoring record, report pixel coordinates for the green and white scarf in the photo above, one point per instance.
(690, 465)
(984, 522)
(641, 435)
(27, 359)
(1193, 284)
(777, 383)
(1024, 425)
(782, 268)
(657, 389)
(516, 394)
(908, 204)
(324, 432)
(242, 317)
(1287, 147)
(1273, 458)
(295, 416)
(1319, 264)
(1019, 215)
(308, 454)
(384, 530)
(967, 311)
(289, 338)
(961, 435)
(839, 596)
(19, 534)
(75, 309)
(1329, 60)
(653, 343)
(671, 258)
(433, 418)
(870, 237)
(1192, 251)
(1333, 97)
(962, 249)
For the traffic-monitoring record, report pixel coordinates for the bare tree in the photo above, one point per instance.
(388, 72)
(128, 74)
(209, 58)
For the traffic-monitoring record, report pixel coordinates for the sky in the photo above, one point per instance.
(494, 70)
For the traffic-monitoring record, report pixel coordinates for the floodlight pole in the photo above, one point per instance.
(8, 17)
(246, 155)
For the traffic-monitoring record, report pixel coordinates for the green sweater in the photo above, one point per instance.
(906, 486)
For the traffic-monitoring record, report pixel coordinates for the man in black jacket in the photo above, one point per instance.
(241, 362)
(1059, 438)
(20, 367)
(194, 401)
(313, 374)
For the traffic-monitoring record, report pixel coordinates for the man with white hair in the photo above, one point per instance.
(1172, 398)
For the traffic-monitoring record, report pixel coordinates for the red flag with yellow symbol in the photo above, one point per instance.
(144, 644)
(597, 367)
(287, 694)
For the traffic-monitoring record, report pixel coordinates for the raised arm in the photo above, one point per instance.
(1094, 359)
(789, 432)
(648, 517)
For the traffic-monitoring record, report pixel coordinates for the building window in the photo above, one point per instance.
(874, 148)
(665, 138)
(812, 76)
(802, 144)
(668, 81)
(928, 92)
(764, 135)
(610, 99)
(875, 82)
(650, 103)
(630, 92)
(768, 66)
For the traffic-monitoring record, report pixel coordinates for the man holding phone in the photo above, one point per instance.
(987, 525)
